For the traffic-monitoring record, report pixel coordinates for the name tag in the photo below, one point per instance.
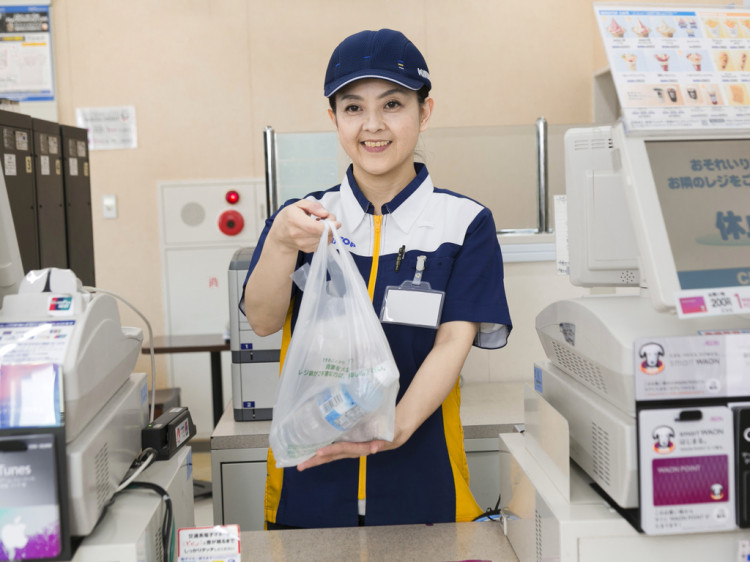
(412, 305)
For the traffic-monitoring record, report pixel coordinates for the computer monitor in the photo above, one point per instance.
(601, 242)
(11, 270)
(689, 198)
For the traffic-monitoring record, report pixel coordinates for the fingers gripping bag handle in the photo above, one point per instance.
(339, 381)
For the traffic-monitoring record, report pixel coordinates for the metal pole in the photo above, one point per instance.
(272, 186)
(542, 174)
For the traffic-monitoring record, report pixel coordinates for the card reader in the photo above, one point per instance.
(169, 432)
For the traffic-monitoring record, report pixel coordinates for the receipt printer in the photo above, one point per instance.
(255, 359)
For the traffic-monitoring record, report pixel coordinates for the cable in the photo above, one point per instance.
(490, 514)
(166, 526)
(150, 343)
(173, 539)
(144, 464)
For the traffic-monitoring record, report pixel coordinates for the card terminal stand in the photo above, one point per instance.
(255, 359)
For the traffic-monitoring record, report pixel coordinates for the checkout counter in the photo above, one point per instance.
(239, 449)
(444, 541)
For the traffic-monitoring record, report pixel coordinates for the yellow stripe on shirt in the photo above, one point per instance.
(466, 506)
(275, 476)
(378, 221)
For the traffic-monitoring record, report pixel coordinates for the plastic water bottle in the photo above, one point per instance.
(322, 419)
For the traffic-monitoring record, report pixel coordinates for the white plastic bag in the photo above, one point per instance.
(339, 381)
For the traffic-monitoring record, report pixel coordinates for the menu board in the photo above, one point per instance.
(679, 69)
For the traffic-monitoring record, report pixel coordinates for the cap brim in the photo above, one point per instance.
(401, 80)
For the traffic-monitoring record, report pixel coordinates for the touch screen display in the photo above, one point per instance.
(704, 192)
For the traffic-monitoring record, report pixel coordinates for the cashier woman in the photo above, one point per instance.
(378, 84)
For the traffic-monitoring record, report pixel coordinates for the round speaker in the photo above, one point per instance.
(192, 214)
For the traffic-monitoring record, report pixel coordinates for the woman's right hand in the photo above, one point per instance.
(298, 226)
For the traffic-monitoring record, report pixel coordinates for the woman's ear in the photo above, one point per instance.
(332, 116)
(426, 113)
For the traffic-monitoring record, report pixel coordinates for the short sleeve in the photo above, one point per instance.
(258, 250)
(475, 291)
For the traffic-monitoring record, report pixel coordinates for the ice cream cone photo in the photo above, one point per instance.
(695, 60)
(665, 30)
(630, 60)
(641, 30)
(615, 29)
(663, 59)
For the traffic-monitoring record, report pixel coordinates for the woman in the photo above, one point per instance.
(378, 84)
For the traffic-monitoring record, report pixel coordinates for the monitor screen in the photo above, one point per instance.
(689, 200)
(703, 188)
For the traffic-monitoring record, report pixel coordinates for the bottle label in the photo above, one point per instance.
(339, 409)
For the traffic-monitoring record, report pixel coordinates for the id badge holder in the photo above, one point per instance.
(413, 303)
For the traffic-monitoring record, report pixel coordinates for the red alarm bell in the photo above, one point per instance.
(231, 223)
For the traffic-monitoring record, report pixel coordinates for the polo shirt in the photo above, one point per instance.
(426, 479)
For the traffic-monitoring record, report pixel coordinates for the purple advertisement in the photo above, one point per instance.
(690, 480)
(29, 510)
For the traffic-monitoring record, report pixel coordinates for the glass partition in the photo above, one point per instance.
(497, 166)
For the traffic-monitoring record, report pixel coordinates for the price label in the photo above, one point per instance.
(713, 302)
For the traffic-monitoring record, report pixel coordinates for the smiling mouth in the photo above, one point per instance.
(376, 144)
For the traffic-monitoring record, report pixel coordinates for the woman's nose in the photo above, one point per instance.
(373, 121)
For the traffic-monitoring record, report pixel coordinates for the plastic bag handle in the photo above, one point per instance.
(343, 256)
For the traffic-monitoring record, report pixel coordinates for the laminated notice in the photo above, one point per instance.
(686, 470)
(220, 543)
(710, 365)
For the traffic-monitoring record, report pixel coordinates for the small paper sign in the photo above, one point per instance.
(220, 543)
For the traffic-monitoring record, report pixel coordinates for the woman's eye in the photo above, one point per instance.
(393, 104)
(351, 108)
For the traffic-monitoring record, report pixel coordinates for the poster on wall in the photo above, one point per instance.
(26, 68)
(679, 69)
(109, 128)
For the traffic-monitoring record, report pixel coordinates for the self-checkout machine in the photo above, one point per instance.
(652, 387)
(72, 414)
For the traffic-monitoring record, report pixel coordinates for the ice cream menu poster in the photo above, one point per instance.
(679, 68)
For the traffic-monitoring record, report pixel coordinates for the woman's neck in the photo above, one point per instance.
(380, 189)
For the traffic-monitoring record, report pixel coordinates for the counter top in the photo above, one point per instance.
(444, 541)
(487, 409)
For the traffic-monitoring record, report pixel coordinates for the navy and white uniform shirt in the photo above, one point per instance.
(417, 482)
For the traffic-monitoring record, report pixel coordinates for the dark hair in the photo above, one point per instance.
(422, 94)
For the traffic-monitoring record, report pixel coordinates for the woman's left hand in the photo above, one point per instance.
(344, 450)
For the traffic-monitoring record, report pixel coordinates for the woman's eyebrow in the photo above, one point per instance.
(385, 94)
(392, 91)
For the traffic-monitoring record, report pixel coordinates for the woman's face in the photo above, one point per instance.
(378, 124)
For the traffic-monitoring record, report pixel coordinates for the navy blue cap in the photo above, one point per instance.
(385, 54)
